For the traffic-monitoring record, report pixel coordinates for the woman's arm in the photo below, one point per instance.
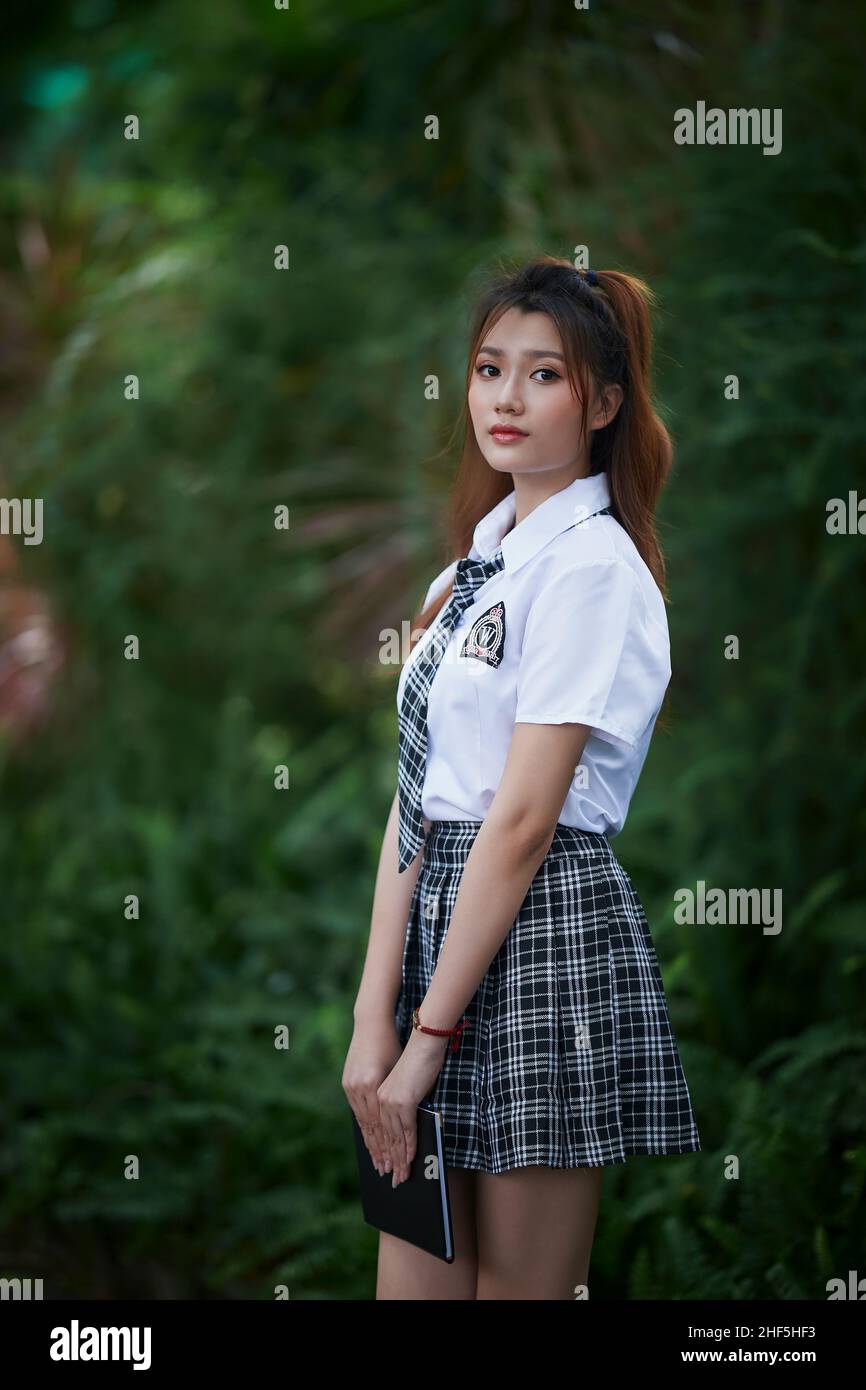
(381, 978)
(505, 857)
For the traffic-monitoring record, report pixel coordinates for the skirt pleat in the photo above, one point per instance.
(568, 1057)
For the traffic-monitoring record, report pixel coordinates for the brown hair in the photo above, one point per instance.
(606, 334)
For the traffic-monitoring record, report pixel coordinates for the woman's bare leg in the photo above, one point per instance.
(535, 1231)
(407, 1272)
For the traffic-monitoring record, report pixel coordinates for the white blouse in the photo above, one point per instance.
(572, 630)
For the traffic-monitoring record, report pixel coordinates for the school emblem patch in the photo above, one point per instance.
(485, 639)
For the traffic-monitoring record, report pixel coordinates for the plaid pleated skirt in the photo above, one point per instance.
(568, 1057)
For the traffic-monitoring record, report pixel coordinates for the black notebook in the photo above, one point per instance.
(418, 1210)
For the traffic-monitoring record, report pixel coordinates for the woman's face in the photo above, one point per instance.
(519, 384)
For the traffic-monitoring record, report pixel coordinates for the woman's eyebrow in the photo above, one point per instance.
(528, 352)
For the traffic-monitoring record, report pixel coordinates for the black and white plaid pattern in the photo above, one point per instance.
(568, 1058)
(412, 718)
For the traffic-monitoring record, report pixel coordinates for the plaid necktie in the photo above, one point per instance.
(412, 759)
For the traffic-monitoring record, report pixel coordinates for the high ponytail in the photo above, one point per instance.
(638, 454)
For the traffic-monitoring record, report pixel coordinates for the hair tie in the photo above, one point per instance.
(591, 277)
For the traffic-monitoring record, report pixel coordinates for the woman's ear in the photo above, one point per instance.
(608, 403)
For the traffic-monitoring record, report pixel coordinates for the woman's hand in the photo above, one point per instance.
(399, 1095)
(374, 1049)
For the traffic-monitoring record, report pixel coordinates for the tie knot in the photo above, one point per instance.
(471, 574)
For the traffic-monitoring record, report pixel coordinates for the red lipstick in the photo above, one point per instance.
(507, 434)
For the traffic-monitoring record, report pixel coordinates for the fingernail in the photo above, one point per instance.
(387, 1165)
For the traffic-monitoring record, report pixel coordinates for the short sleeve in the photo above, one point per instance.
(591, 655)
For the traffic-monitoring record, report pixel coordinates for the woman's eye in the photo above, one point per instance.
(484, 366)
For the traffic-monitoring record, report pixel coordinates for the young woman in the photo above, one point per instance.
(510, 974)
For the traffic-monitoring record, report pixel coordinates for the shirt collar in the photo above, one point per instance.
(555, 514)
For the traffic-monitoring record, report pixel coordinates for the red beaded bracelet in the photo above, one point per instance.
(453, 1033)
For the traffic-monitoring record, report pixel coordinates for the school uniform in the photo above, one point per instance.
(568, 1057)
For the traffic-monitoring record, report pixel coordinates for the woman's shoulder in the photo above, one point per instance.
(601, 542)
(598, 541)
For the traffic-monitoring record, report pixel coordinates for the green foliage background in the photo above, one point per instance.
(260, 647)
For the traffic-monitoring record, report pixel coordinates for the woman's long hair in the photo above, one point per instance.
(606, 334)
